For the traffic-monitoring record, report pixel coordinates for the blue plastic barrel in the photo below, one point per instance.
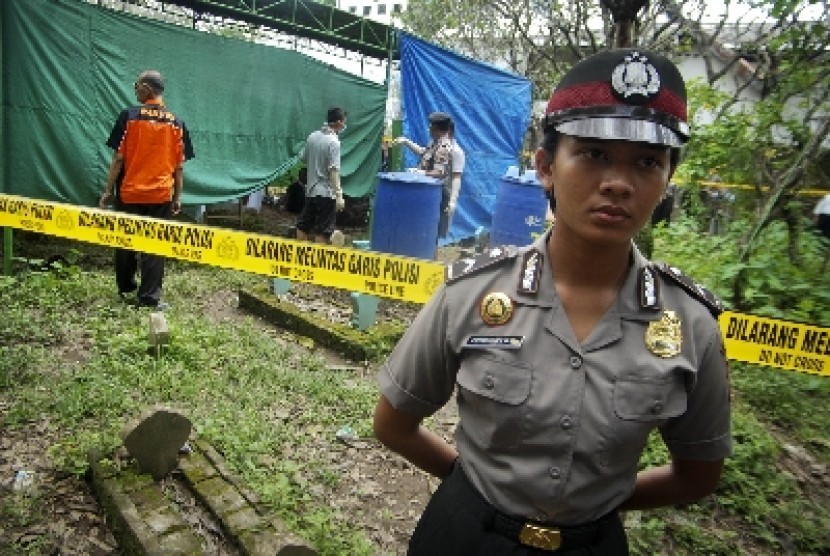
(405, 214)
(520, 209)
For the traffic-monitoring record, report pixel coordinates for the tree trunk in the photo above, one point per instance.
(623, 34)
(624, 14)
(792, 218)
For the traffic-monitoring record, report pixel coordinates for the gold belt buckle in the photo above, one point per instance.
(543, 538)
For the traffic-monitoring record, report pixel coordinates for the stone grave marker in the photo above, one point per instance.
(155, 438)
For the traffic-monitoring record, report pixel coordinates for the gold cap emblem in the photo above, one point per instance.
(664, 337)
(496, 308)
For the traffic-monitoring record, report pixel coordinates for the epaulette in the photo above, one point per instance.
(709, 299)
(467, 266)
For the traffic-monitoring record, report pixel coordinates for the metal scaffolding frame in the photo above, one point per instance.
(307, 19)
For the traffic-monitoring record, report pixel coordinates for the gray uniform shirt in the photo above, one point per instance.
(443, 155)
(321, 154)
(552, 429)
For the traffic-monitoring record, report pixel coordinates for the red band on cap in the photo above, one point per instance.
(598, 93)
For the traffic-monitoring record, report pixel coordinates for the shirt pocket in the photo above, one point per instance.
(492, 400)
(640, 405)
(649, 399)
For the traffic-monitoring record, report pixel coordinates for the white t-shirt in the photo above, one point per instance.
(458, 158)
(321, 154)
(823, 206)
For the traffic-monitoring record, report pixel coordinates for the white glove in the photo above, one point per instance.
(455, 187)
(334, 179)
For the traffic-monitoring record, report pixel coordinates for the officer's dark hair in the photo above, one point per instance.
(335, 115)
(443, 125)
(550, 140)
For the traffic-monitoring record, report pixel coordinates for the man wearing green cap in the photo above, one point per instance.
(566, 354)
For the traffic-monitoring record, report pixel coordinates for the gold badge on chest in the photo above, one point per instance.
(496, 308)
(664, 337)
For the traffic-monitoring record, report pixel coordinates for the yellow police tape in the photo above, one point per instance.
(394, 277)
(722, 185)
(776, 343)
(762, 341)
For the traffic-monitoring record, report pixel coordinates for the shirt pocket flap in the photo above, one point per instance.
(507, 383)
(641, 399)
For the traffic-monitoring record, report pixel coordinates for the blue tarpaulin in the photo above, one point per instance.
(491, 110)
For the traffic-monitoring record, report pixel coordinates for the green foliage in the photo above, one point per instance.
(720, 150)
(263, 402)
(774, 287)
(752, 490)
(72, 353)
(780, 398)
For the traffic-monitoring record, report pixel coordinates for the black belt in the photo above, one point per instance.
(529, 533)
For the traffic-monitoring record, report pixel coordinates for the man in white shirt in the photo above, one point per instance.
(323, 193)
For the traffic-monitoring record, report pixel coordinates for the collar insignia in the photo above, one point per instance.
(635, 77)
(649, 293)
(496, 308)
(664, 337)
(531, 269)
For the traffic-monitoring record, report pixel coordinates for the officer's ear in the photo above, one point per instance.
(543, 162)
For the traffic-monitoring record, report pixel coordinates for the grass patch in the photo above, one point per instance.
(72, 353)
(270, 408)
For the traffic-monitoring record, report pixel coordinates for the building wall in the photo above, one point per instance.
(383, 11)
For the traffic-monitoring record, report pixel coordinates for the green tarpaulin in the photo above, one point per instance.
(68, 68)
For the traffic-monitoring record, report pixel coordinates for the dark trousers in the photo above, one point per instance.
(151, 267)
(824, 225)
(459, 521)
(318, 216)
(444, 219)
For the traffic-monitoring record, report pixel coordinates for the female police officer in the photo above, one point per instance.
(567, 353)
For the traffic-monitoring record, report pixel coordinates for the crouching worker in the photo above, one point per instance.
(564, 355)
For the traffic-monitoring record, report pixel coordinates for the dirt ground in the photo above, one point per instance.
(380, 492)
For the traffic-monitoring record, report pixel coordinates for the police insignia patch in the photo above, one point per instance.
(635, 77)
(496, 308)
(664, 337)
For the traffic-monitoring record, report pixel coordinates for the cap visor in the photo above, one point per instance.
(642, 131)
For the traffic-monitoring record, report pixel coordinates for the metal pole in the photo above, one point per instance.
(7, 251)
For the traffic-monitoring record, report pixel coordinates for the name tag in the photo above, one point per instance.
(498, 342)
